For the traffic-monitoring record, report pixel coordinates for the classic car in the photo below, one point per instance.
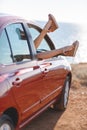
(29, 83)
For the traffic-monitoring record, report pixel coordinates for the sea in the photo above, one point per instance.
(66, 34)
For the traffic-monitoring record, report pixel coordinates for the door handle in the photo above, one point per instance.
(17, 81)
(45, 71)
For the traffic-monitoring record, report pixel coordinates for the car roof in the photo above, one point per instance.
(7, 19)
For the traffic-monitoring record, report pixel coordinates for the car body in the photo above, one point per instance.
(28, 86)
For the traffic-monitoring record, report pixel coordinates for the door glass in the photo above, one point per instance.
(18, 42)
(35, 33)
(5, 54)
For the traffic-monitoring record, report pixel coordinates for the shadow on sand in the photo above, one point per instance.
(46, 121)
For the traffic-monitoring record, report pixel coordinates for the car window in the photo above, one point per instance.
(18, 42)
(5, 54)
(35, 33)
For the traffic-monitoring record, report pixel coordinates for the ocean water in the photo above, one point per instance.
(66, 34)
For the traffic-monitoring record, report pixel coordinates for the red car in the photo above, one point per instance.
(30, 85)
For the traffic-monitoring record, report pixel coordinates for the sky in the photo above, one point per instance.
(63, 10)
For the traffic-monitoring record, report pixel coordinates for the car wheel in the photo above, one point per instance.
(62, 103)
(6, 123)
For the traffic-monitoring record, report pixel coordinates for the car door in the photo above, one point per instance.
(24, 75)
(53, 79)
(52, 69)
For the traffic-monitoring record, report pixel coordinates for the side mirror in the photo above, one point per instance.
(21, 34)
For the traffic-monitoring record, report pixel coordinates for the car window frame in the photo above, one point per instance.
(11, 42)
(28, 38)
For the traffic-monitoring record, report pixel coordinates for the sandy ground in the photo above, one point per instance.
(75, 116)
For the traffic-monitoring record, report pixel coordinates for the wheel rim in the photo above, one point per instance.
(66, 95)
(5, 126)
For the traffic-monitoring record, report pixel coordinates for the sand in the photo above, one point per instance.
(75, 116)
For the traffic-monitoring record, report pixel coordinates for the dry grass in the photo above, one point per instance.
(79, 72)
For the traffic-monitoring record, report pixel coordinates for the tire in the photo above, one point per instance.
(6, 123)
(62, 103)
